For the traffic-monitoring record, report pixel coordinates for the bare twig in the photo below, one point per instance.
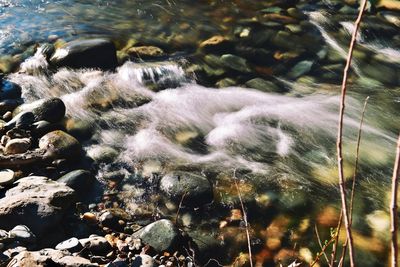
(320, 244)
(354, 178)
(393, 206)
(340, 135)
(179, 207)
(336, 241)
(246, 224)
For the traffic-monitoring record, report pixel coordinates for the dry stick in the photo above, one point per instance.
(320, 244)
(341, 261)
(180, 207)
(393, 206)
(340, 135)
(244, 218)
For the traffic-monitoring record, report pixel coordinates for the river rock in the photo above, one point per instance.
(102, 154)
(9, 90)
(72, 245)
(93, 53)
(161, 235)
(300, 69)
(17, 146)
(37, 202)
(143, 261)
(23, 234)
(197, 189)
(96, 244)
(49, 257)
(235, 63)
(215, 44)
(146, 52)
(263, 85)
(111, 217)
(59, 144)
(6, 177)
(22, 120)
(51, 110)
(9, 105)
(79, 180)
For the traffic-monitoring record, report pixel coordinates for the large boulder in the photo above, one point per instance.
(37, 202)
(49, 257)
(93, 53)
(161, 235)
(195, 190)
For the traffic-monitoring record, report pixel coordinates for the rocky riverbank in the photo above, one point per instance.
(97, 171)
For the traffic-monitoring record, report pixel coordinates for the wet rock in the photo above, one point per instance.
(23, 234)
(146, 52)
(143, 261)
(47, 50)
(216, 43)
(79, 180)
(196, 189)
(96, 244)
(9, 90)
(41, 128)
(51, 110)
(17, 146)
(23, 120)
(207, 245)
(93, 53)
(381, 72)
(161, 235)
(6, 177)
(300, 69)
(226, 82)
(111, 218)
(59, 144)
(49, 257)
(9, 105)
(235, 63)
(263, 85)
(102, 154)
(72, 245)
(37, 202)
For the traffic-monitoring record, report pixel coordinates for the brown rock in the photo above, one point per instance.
(17, 146)
(146, 52)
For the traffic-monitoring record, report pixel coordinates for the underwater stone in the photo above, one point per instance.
(235, 63)
(263, 85)
(197, 189)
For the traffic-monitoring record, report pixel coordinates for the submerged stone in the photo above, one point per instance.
(146, 52)
(235, 63)
(161, 235)
(300, 69)
(195, 189)
(263, 85)
(92, 53)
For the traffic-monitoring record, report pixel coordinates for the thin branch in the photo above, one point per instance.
(180, 207)
(336, 240)
(340, 135)
(354, 178)
(324, 248)
(320, 244)
(393, 206)
(244, 218)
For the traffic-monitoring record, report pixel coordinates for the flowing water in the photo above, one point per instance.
(161, 116)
